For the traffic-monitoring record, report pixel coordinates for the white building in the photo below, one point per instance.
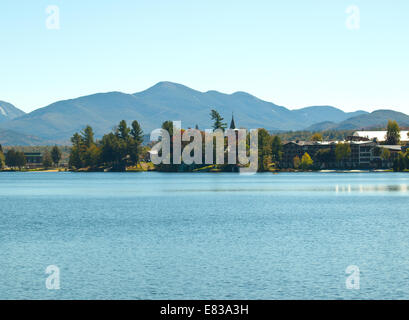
(380, 136)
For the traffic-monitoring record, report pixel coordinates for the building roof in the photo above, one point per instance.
(32, 154)
(361, 142)
(327, 143)
(313, 143)
(379, 135)
(390, 147)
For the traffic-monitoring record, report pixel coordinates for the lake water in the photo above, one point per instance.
(204, 236)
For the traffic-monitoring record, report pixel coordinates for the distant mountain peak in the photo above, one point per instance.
(165, 86)
(243, 95)
(9, 112)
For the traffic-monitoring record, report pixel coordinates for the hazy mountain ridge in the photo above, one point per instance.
(374, 120)
(326, 113)
(170, 101)
(9, 137)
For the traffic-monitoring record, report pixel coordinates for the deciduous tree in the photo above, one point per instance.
(306, 162)
(392, 133)
(316, 137)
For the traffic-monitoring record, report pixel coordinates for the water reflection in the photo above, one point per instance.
(371, 188)
(338, 188)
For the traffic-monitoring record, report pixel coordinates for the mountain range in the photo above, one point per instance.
(57, 122)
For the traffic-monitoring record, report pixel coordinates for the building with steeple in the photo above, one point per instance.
(232, 124)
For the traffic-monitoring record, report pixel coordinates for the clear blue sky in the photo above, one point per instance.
(294, 53)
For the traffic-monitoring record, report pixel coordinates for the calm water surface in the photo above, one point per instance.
(204, 236)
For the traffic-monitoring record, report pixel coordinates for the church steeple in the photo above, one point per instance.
(232, 124)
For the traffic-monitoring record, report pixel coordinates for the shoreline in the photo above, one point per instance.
(199, 172)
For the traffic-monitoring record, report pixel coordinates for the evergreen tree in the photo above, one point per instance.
(87, 137)
(110, 148)
(264, 150)
(56, 155)
(123, 130)
(114, 148)
(11, 158)
(168, 126)
(16, 159)
(136, 132)
(75, 160)
(135, 143)
(217, 120)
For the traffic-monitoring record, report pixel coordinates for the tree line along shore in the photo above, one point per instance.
(123, 150)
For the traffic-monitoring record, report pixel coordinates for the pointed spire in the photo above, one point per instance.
(232, 124)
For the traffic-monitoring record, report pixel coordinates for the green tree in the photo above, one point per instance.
(56, 155)
(324, 156)
(114, 151)
(87, 136)
(136, 132)
(47, 160)
(11, 158)
(392, 133)
(84, 151)
(76, 153)
(342, 152)
(123, 130)
(76, 140)
(15, 159)
(168, 126)
(401, 162)
(135, 144)
(276, 149)
(264, 150)
(92, 156)
(110, 148)
(306, 162)
(217, 120)
(316, 137)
